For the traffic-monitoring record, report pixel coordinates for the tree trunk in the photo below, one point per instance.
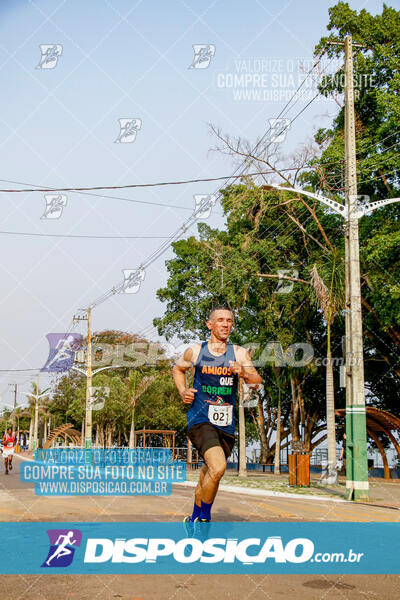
(300, 404)
(36, 425)
(331, 475)
(330, 408)
(132, 430)
(264, 450)
(109, 436)
(294, 421)
(242, 434)
(277, 468)
(101, 437)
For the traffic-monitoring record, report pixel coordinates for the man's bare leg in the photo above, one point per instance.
(197, 499)
(199, 486)
(210, 475)
(216, 465)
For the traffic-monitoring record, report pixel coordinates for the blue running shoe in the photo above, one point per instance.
(201, 529)
(188, 526)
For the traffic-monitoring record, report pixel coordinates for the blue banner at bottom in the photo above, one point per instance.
(201, 548)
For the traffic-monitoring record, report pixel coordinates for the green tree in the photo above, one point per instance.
(238, 267)
(377, 107)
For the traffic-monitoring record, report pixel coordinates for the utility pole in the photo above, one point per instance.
(88, 372)
(356, 427)
(242, 433)
(356, 439)
(14, 417)
(89, 375)
(36, 426)
(356, 434)
(88, 410)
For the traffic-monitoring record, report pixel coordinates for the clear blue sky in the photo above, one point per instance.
(123, 59)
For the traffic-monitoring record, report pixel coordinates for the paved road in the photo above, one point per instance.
(18, 503)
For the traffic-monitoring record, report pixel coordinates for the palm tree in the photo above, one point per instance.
(45, 413)
(331, 301)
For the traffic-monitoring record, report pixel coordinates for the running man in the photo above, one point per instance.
(217, 367)
(62, 549)
(9, 441)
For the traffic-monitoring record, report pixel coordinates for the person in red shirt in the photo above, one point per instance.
(9, 440)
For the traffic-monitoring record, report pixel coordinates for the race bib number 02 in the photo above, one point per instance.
(220, 415)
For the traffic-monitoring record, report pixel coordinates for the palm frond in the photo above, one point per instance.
(322, 292)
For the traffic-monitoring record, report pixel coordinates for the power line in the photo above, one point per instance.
(380, 141)
(186, 225)
(159, 251)
(378, 156)
(34, 234)
(133, 200)
(39, 188)
(122, 187)
(379, 176)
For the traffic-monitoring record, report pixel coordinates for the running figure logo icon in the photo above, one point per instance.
(203, 205)
(203, 54)
(132, 280)
(62, 351)
(55, 204)
(63, 543)
(278, 130)
(128, 130)
(50, 55)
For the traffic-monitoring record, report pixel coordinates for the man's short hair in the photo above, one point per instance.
(210, 316)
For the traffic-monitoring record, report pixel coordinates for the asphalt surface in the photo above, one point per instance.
(19, 503)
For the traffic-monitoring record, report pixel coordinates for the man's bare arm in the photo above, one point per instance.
(244, 367)
(179, 371)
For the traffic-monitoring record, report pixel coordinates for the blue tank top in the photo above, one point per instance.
(216, 385)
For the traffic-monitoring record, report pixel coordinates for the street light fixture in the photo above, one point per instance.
(36, 419)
